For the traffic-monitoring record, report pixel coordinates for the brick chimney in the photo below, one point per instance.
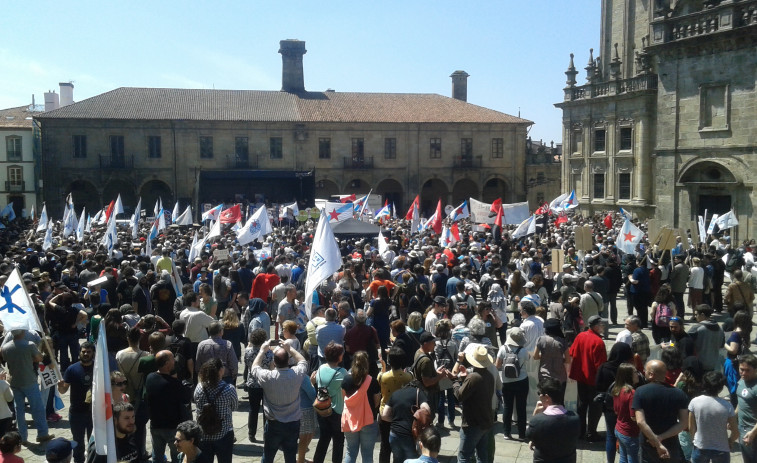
(460, 85)
(292, 77)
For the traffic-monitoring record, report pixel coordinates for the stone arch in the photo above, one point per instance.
(708, 171)
(357, 186)
(391, 190)
(127, 191)
(151, 191)
(85, 194)
(496, 188)
(325, 189)
(464, 188)
(432, 190)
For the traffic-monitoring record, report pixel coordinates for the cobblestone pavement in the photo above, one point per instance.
(246, 451)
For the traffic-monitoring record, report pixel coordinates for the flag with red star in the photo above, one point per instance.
(629, 237)
(338, 212)
(102, 407)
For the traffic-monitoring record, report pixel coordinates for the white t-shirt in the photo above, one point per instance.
(711, 415)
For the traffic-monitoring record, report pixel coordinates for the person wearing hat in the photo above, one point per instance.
(425, 372)
(474, 388)
(514, 389)
(59, 450)
(588, 353)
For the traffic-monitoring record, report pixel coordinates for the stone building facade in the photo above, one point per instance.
(19, 159)
(201, 146)
(666, 124)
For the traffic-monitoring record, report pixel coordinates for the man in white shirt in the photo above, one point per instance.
(532, 326)
(196, 320)
(440, 303)
(531, 295)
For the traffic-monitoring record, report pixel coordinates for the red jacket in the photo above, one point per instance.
(263, 284)
(588, 352)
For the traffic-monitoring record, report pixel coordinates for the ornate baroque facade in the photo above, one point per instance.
(666, 124)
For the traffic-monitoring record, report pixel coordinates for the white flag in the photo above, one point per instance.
(110, 238)
(382, 246)
(42, 219)
(702, 232)
(185, 218)
(175, 212)
(523, 228)
(69, 224)
(102, 414)
(711, 227)
(17, 311)
(629, 237)
(325, 259)
(727, 220)
(48, 242)
(118, 208)
(80, 227)
(215, 230)
(193, 253)
(257, 226)
(135, 219)
(158, 206)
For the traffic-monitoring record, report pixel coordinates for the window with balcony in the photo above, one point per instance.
(242, 148)
(154, 147)
(15, 179)
(626, 138)
(358, 150)
(276, 147)
(599, 186)
(599, 140)
(624, 186)
(117, 146)
(324, 148)
(390, 148)
(498, 148)
(80, 146)
(206, 147)
(436, 148)
(13, 148)
(466, 148)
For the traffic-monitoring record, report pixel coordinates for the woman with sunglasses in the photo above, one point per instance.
(118, 386)
(188, 435)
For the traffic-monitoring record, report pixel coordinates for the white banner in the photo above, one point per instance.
(514, 213)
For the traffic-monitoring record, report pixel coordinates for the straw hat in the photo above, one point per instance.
(479, 357)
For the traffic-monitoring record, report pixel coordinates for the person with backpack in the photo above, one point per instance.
(215, 400)
(328, 382)
(426, 372)
(474, 388)
(739, 292)
(511, 364)
(445, 351)
(663, 309)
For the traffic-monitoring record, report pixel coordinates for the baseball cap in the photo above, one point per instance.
(441, 300)
(530, 284)
(59, 449)
(427, 337)
(595, 319)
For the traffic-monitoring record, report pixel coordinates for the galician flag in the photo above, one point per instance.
(325, 260)
(629, 237)
(17, 311)
(338, 212)
(450, 235)
(213, 213)
(158, 206)
(460, 212)
(385, 213)
(102, 409)
(81, 226)
(48, 242)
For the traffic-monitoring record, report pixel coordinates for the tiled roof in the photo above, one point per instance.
(271, 106)
(17, 118)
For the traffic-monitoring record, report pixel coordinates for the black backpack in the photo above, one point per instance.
(510, 364)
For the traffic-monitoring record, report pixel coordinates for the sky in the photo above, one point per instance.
(516, 52)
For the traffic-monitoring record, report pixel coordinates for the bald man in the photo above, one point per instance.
(167, 402)
(661, 413)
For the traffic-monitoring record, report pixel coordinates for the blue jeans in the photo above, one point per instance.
(65, 344)
(449, 394)
(629, 448)
(707, 456)
(403, 447)
(221, 448)
(37, 407)
(278, 435)
(364, 441)
(610, 419)
(473, 439)
(81, 429)
(160, 439)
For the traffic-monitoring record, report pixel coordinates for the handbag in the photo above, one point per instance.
(421, 417)
(322, 402)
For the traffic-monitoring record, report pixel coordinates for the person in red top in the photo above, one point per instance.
(264, 283)
(377, 282)
(589, 353)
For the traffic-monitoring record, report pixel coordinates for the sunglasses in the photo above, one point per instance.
(120, 384)
(675, 319)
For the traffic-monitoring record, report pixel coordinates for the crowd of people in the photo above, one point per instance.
(398, 347)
